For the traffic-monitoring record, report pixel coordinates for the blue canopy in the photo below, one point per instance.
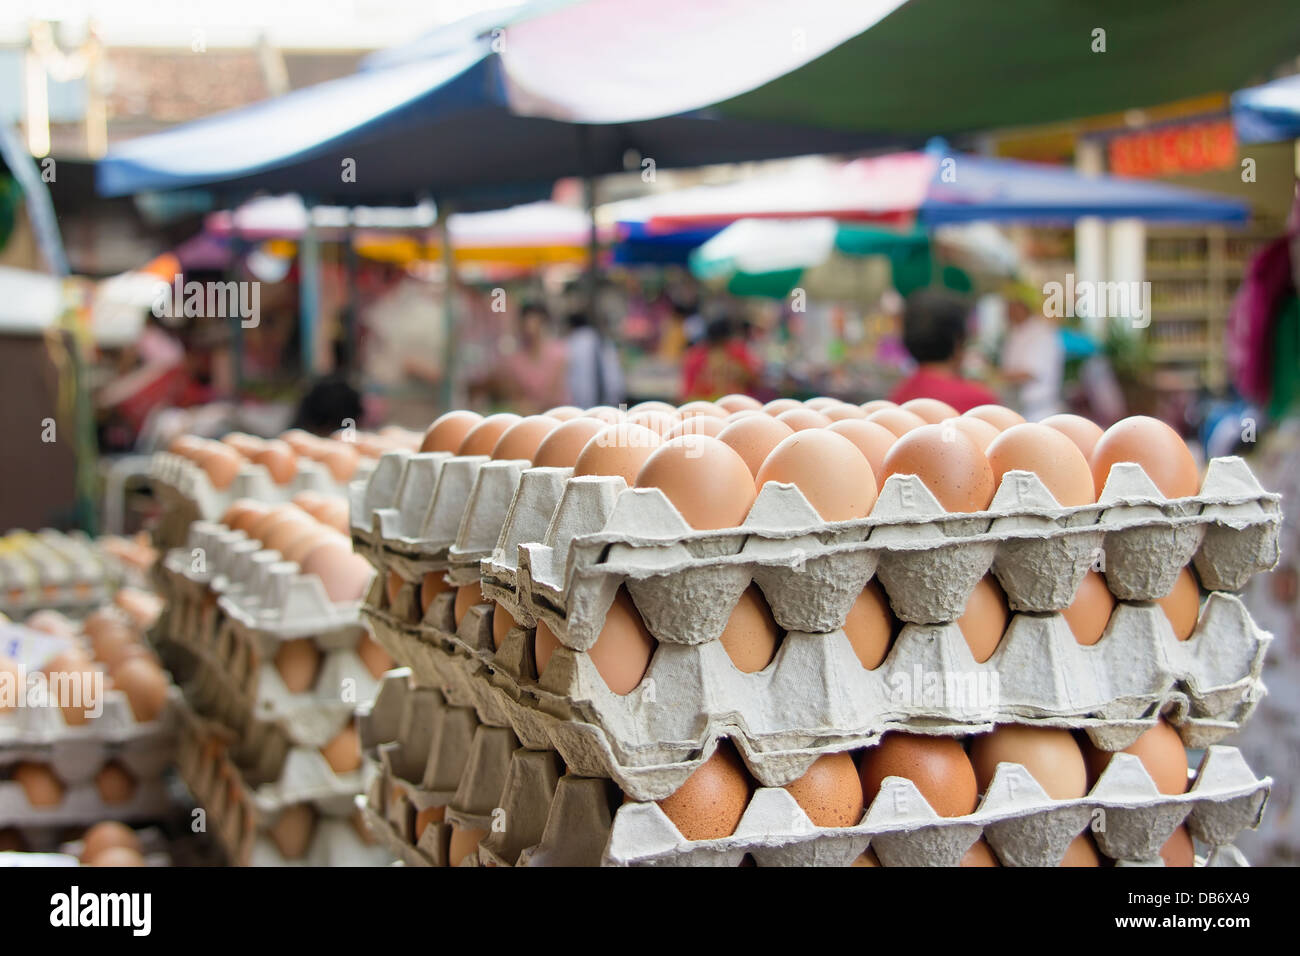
(1268, 113)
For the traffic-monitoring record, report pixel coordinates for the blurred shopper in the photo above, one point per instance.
(1033, 356)
(720, 365)
(934, 333)
(595, 376)
(535, 376)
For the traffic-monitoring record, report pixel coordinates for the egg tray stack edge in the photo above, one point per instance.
(240, 813)
(537, 814)
(71, 575)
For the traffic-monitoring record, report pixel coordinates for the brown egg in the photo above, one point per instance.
(467, 596)
(72, 660)
(1155, 446)
(250, 514)
(292, 831)
(931, 410)
(393, 586)
(431, 585)
(340, 458)
(873, 440)
(999, 416)
(1182, 605)
(1081, 852)
(187, 446)
(1050, 455)
(979, 854)
(221, 463)
(403, 437)
(1090, 611)
(447, 433)
(948, 463)
(661, 423)
(11, 683)
(145, 686)
(1161, 751)
(51, 622)
(545, 643)
(109, 639)
(463, 843)
(118, 856)
(617, 450)
(876, 404)
(376, 660)
(344, 574)
(520, 441)
(606, 414)
(427, 816)
(278, 459)
(40, 786)
(707, 482)
(654, 406)
(343, 753)
(302, 442)
(897, 420)
(1084, 433)
(752, 635)
(800, 419)
(754, 437)
(285, 534)
(303, 544)
(244, 443)
(623, 650)
(710, 803)
(739, 403)
(502, 624)
(698, 425)
(1179, 849)
(561, 448)
(114, 784)
(843, 413)
(142, 607)
(936, 765)
(820, 402)
(778, 405)
(483, 437)
(866, 858)
(828, 468)
(705, 409)
(297, 662)
(564, 413)
(977, 430)
(830, 791)
(264, 525)
(870, 625)
(1049, 754)
(78, 690)
(334, 514)
(985, 619)
(745, 413)
(105, 836)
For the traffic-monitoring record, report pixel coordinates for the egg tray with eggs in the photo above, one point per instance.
(33, 795)
(246, 817)
(52, 570)
(77, 752)
(188, 488)
(150, 842)
(1016, 817)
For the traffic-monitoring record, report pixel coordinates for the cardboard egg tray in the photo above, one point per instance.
(81, 804)
(537, 814)
(240, 813)
(815, 697)
(52, 569)
(185, 487)
(153, 847)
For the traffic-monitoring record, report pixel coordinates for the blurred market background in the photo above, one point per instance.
(426, 205)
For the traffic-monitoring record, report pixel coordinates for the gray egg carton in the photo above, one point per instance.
(601, 536)
(815, 697)
(182, 482)
(241, 813)
(54, 570)
(81, 805)
(1023, 825)
(77, 753)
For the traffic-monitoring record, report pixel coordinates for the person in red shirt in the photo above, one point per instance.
(934, 332)
(720, 365)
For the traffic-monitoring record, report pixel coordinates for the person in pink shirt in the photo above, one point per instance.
(934, 333)
(534, 377)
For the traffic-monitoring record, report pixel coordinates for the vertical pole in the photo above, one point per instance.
(308, 295)
(353, 312)
(448, 393)
(1090, 234)
(593, 251)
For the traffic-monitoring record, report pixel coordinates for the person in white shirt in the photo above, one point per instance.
(1033, 356)
(595, 376)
